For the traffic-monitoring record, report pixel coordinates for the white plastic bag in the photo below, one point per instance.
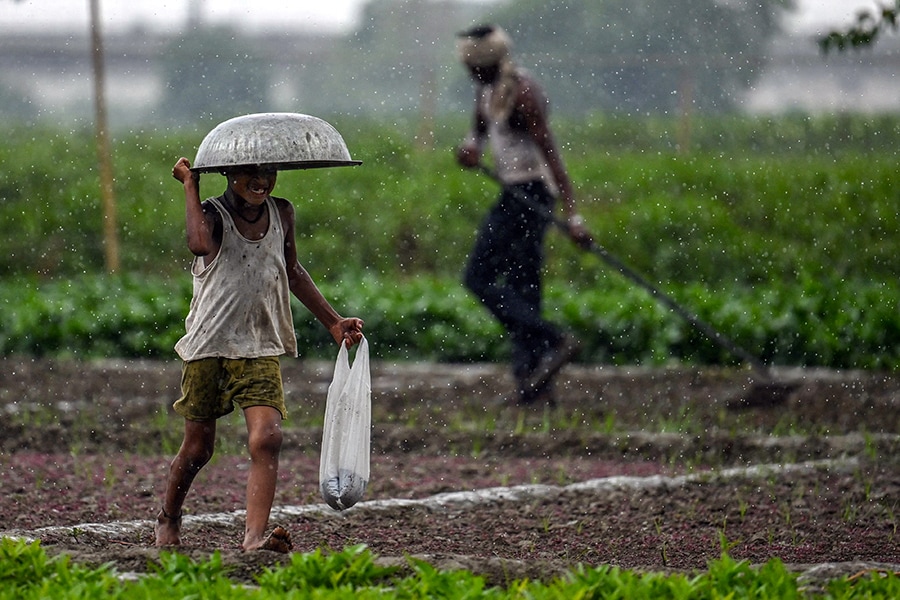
(344, 464)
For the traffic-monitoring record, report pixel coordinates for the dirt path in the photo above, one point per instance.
(642, 468)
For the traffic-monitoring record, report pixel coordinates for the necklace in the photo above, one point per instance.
(259, 213)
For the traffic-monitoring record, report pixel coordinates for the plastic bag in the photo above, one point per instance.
(344, 463)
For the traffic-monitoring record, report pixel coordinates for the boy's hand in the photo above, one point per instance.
(182, 171)
(347, 331)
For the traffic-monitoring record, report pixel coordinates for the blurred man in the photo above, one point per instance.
(504, 269)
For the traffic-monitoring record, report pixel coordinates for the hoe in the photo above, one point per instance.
(763, 392)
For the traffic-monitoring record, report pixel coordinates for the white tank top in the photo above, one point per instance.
(517, 158)
(241, 304)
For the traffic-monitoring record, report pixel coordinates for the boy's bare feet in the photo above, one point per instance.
(277, 541)
(167, 529)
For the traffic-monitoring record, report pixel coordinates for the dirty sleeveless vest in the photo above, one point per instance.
(241, 303)
(517, 158)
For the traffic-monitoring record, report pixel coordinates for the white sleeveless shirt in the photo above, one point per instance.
(517, 158)
(241, 304)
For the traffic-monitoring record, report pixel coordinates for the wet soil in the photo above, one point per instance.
(650, 469)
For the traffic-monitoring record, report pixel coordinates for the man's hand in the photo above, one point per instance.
(579, 232)
(468, 155)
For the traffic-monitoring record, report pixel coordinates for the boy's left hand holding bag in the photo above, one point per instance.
(344, 463)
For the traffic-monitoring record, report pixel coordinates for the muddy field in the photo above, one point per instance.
(641, 468)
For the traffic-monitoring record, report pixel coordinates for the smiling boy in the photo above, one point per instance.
(239, 323)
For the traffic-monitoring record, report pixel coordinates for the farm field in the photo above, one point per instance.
(646, 469)
(778, 231)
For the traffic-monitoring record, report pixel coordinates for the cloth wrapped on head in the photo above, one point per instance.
(489, 46)
(483, 46)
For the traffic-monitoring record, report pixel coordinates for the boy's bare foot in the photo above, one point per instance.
(277, 541)
(167, 529)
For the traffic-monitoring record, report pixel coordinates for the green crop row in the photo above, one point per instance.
(27, 572)
(838, 324)
(780, 232)
(737, 212)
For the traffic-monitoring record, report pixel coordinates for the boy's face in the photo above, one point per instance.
(253, 184)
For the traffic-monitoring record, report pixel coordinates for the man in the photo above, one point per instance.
(504, 269)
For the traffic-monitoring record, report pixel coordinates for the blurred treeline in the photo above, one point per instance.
(622, 56)
(628, 56)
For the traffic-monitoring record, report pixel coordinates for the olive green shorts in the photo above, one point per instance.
(211, 387)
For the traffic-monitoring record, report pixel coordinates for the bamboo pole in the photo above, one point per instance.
(110, 229)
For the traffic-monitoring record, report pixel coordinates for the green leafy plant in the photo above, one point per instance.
(353, 567)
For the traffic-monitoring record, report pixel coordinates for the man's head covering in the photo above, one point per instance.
(489, 46)
(483, 46)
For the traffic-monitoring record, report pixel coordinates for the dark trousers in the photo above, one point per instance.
(504, 272)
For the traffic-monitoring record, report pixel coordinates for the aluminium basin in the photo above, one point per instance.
(281, 140)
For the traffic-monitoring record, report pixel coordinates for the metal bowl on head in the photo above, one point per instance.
(280, 140)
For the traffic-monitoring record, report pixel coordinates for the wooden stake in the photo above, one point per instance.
(110, 229)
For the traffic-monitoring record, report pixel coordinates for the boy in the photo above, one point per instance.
(239, 323)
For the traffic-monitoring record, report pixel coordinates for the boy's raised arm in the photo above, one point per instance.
(199, 227)
(346, 330)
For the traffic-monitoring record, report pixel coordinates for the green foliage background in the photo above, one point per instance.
(778, 231)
